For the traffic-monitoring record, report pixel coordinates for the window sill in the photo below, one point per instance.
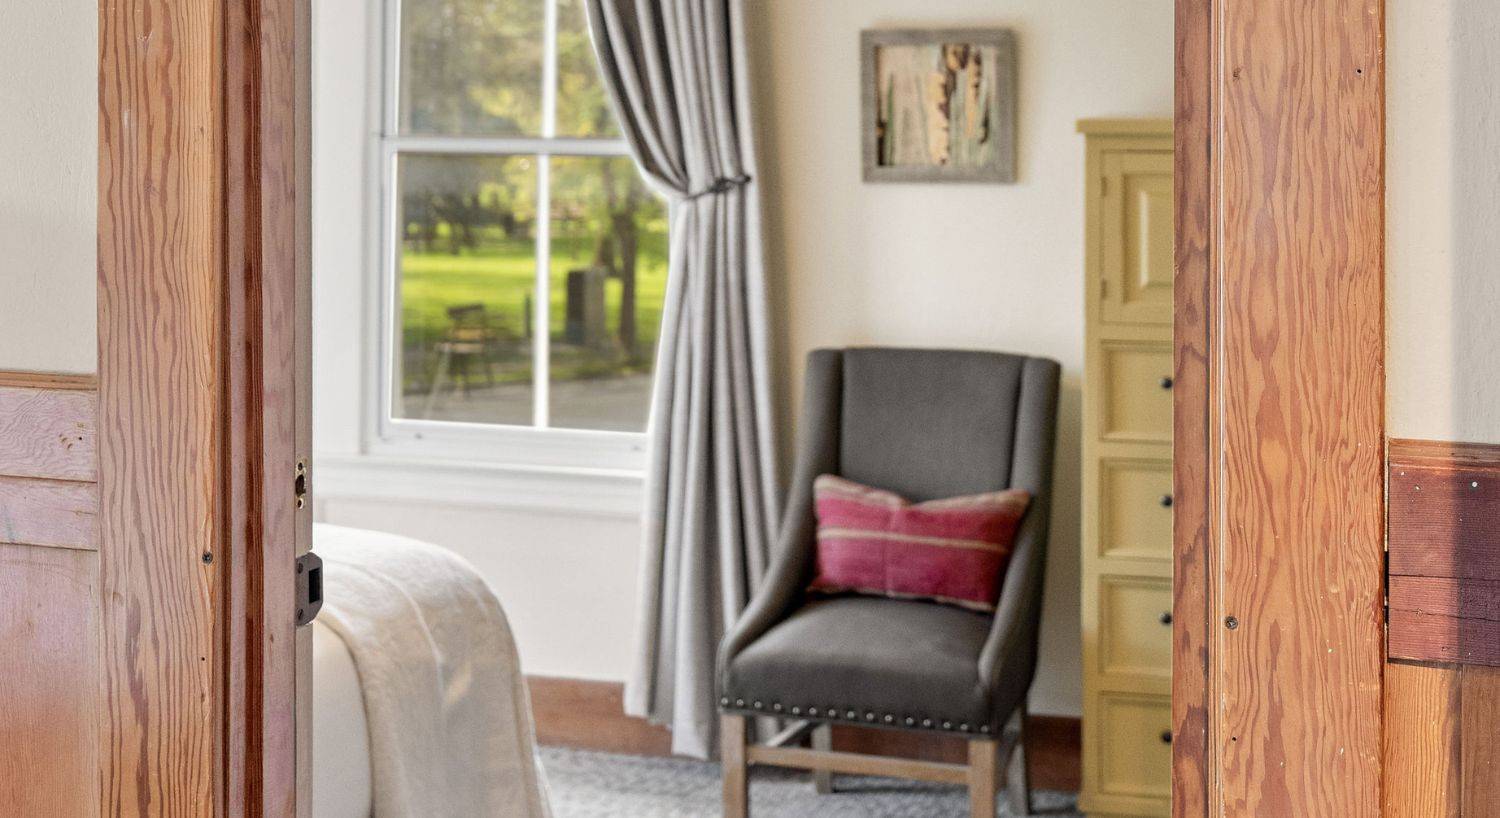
(548, 489)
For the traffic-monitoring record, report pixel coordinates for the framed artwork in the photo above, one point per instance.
(939, 105)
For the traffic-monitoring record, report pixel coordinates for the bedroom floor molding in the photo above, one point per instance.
(584, 714)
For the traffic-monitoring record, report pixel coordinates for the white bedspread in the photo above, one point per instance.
(449, 719)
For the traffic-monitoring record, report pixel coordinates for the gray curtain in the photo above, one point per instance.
(677, 73)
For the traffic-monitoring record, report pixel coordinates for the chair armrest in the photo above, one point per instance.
(782, 589)
(1007, 662)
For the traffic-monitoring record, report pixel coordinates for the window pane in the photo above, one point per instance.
(608, 278)
(472, 67)
(582, 107)
(467, 279)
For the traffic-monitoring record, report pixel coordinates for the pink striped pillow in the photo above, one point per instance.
(876, 542)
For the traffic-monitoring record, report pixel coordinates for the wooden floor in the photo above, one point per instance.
(589, 715)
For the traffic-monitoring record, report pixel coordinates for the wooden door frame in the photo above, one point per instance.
(1248, 736)
(204, 232)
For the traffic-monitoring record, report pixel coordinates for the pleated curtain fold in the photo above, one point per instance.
(677, 73)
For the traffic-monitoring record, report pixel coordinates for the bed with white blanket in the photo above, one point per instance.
(419, 705)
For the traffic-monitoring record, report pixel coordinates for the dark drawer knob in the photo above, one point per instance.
(1166, 737)
(1166, 617)
(1166, 501)
(1166, 383)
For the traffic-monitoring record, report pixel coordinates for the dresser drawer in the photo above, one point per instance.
(1135, 391)
(1135, 508)
(1135, 627)
(1133, 748)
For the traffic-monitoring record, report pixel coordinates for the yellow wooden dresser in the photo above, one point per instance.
(1127, 468)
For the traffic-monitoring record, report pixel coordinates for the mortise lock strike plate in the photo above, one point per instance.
(309, 588)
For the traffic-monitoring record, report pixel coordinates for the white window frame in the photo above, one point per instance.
(539, 445)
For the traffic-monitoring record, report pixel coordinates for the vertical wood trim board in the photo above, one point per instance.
(1287, 98)
(268, 150)
(1194, 219)
(160, 387)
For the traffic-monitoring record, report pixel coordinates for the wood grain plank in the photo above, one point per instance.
(1444, 619)
(48, 433)
(1424, 637)
(1481, 741)
(1422, 751)
(49, 513)
(160, 385)
(1299, 383)
(49, 760)
(1191, 409)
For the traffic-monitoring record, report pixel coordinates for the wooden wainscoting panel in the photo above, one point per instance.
(49, 682)
(1480, 741)
(52, 513)
(47, 432)
(1443, 535)
(590, 715)
(1422, 758)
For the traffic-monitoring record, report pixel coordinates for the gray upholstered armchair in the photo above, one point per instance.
(927, 424)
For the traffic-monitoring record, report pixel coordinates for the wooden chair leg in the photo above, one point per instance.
(822, 741)
(984, 777)
(1017, 776)
(732, 753)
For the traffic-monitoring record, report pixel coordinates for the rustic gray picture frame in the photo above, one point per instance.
(1003, 169)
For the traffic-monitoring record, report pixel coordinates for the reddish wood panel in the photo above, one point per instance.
(160, 404)
(51, 513)
(49, 760)
(46, 432)
(1444, 619)
(1443, 533)
(1444, 510)
(1297, 437)
(1191, 492)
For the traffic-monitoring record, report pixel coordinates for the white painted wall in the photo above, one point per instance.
(49, 69)
(1443, 220)
(994, 267)
(987, 267)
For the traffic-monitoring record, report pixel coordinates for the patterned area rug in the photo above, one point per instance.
(599, 785)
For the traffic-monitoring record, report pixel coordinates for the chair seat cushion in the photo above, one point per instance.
(887, 662)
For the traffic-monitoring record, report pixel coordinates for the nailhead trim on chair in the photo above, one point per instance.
(832, 713)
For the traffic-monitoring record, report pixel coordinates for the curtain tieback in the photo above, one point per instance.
(723, 184)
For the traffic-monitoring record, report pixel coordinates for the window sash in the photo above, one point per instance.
(537, 444)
